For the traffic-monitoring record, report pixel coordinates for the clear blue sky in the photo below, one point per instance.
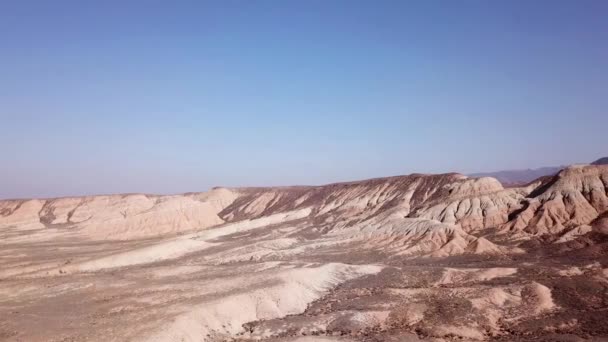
(174, 96)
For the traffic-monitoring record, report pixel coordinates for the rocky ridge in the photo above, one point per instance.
(450, 207)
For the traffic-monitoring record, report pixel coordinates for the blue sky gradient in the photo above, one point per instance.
(175, 96)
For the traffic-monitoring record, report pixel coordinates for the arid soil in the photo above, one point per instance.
(407, 258)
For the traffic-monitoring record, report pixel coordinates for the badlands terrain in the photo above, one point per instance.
(408, 258)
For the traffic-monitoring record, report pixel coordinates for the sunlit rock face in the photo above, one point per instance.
(574, 197)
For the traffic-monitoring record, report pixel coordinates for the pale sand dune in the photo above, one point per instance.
(288, 292)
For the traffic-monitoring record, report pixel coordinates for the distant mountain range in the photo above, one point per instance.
(518, 177)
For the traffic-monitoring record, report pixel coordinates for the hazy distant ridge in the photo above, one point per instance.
(528, 175)
(519, 176)
(601, 161)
